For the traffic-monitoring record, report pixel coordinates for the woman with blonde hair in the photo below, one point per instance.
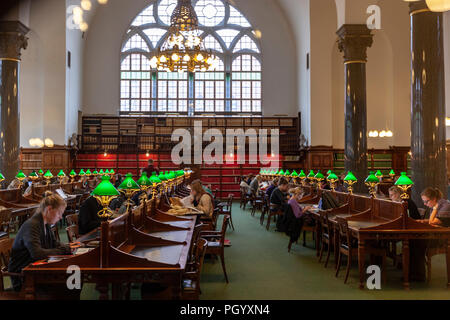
(200, 199)
(35, 239)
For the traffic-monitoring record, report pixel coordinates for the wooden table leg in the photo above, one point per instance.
(103, 289)
(318, 237)
(405, 263)
(448, 263)
(336, 245)
(361, 262)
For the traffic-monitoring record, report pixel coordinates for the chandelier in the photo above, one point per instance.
(183, 48)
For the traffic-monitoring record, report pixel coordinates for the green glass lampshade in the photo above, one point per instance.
(311, 174)
(82, 173)
(95, 173)
(129, 183)
(294, 174)
(2, 177)
(350, 177)
(162, 177)
(48, 175)
(332, 176)
(41, 172)
(372, 178)
(33, 175)
(112, 171)
(154, 179)
(72, 173)
(101, 172)
(105, 189)
(107, 171)
(21, 175)
(302, 174)
(172, 175)
(167, 175)
(378, 174)
(287, 173)
(392, 172)
(61, 174)
(144, 180)
(329, 172)
(88, 172)
(404, 180)
(319, 175)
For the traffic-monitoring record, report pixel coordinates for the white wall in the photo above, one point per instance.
(42, 76)
(297, 14)
(110, 23)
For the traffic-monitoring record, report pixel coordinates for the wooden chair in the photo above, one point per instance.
(433, 251)
(195, 237)
(72, 219)
(257, 203)
(191, 278)
(348, 246)
(273, 212)
(72, 233)
(311, 229)
(5, 254)
(226, 209)
(216, 243)
(326, 236)
(5, 220)
(265, 208)
(245, 198)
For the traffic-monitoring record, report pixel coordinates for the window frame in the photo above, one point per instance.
(227, 57)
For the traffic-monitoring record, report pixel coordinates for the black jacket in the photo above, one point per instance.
(31, 244)
(88, 218)
(279, 198)
(290, 224)
(413, 211)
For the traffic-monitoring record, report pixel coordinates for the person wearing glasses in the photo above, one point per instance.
(439, 207)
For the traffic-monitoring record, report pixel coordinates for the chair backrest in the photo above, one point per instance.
(226, 218)
(200, 251)
(230, 201)
(72, 233)
(5, 254)
(324, 222)
(344, 234)
(195, 236)
(5, 251)
(5, 219)
(72, 219)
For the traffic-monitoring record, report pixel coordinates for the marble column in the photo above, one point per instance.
(12, 41)
(353, 41)
(428, 148)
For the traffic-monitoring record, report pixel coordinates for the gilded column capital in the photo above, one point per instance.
(353, 41)
(12, 39)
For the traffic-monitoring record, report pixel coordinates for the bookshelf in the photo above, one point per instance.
(126, 143)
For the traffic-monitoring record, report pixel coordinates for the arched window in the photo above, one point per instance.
(234, 87)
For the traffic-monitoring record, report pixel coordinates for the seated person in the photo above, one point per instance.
(35, 239)
(244, 185)
(297, 195)
(14, 184)
(250, 178)
(395, 196)
(254, 185)
(440, 214)
(278, 197)
(88, 218)
(200, 199)
(271, 187)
